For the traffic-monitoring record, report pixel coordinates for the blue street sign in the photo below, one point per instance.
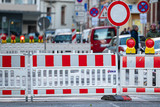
(49, 18)
(94, 12)
(86, 7)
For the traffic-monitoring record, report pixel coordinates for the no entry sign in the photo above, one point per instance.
(118, 13)
(94, 12)
(143, 7)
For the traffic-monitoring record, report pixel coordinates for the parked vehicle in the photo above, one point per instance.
(157, 45)
(122, 44)
(85, 35)
(100, 37)
(78, 37)
(63, 38)
(60, 31)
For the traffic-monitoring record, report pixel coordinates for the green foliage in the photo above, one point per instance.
(18, 40)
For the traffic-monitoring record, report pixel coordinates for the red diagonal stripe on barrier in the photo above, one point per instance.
(83, 91)
(82, 60)
(157, 90)
(140, 90)
(124, 62)
(66, 60)
(6, 92)
(99, 90)
(22, 61)
(98, 60)
(34, 60)
(49, 60)
(6, 61)
(74, 37)
(156, 62)
(140, 62)
(113, 60)
(50, 91)
(66, 91)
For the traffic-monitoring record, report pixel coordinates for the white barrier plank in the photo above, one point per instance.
(131, 77)
(158, 77)
(140, 77)
(149, 78)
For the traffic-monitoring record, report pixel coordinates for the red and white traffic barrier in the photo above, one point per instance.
(75, 91)
(13, 76)
(141, 62)
(73, 35)
(74, 60)
(74, 74)
(140, 74)
(12, 61)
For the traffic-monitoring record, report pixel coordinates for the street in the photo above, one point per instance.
(90, 101)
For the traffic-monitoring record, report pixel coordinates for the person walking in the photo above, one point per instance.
(124, 32)
(134, 34)
(129, 30)
(153, 33)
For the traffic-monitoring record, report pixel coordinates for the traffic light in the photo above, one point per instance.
(40, 39)
(4, 39)
(13, 39)
(22, 39)
(149, 46)
(130, 46)
(31, 39)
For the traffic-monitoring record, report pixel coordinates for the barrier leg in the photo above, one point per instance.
(31, 98)
(26, 98)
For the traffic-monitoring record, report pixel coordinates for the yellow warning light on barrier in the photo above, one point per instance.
(13, 39)
(31, 39)
(4, 39)
(22, 39)
(149, 46)
(40, 39)
(130, 46)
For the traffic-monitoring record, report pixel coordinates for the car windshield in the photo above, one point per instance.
(101, 34)
(123, 41)
(157, 44)
(63, 38)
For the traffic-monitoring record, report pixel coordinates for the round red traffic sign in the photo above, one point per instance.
(143, 6)
(94, 12)
(118, 13)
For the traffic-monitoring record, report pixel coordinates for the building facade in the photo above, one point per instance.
(19, 16)
(60, 13)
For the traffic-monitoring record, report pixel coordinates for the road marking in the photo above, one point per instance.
(114, 105)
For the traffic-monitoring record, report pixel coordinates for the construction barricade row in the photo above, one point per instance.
(13, 76)
(140, 74)
(74, 74)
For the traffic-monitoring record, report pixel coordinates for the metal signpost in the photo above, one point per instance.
(44, 23)
(143, 7)
(118, 15)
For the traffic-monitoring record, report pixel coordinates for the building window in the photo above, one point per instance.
(63, 15)
(48, 11)
(6, 1)
(18, 1)
(32, 1)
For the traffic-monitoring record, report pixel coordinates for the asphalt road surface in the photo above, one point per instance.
(90, 101)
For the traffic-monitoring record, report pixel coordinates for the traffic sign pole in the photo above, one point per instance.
(117, 50)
